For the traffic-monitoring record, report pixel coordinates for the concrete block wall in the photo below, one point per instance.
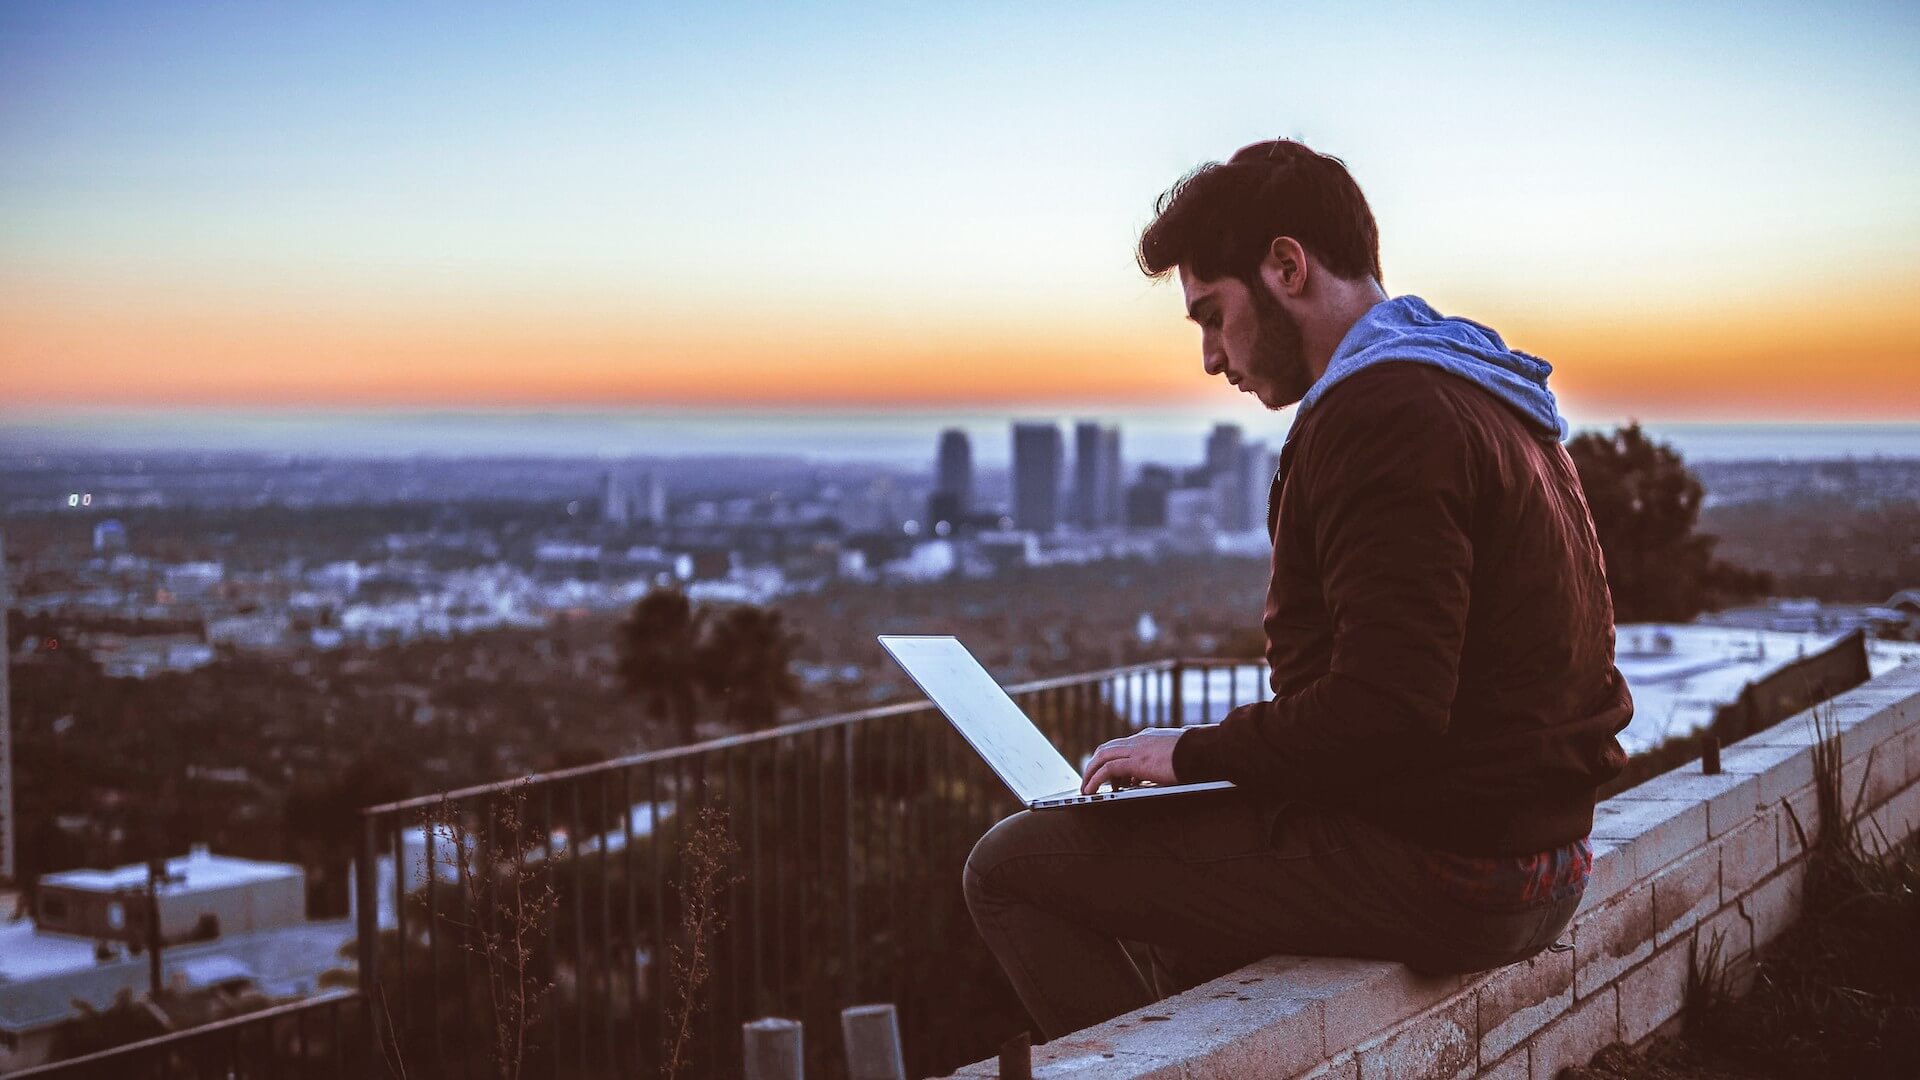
(1680, 861)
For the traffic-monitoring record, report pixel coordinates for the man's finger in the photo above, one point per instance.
(1112, 771)
(1095, 771)
(1092, 783)
(1107, 752)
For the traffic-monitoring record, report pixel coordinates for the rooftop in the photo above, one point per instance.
(194, 872)
(1680, 673)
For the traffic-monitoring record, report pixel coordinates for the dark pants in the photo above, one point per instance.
(1212, 882)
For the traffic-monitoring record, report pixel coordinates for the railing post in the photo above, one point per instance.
(770, 1049)
(1710, 754)
(1177, 696)
(872, 1036)
(851, 968)
(366, 903)
(366, 918)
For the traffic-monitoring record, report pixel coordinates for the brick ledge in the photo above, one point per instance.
(1679, 858)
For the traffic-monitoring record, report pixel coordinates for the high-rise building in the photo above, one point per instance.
(1231, 468)
(1096, 475)
(1147, 498)
(953, 472)
(1038, 457)
(650, 502)
(1114, 476)
(613, 499)
(622, 502)
(1259, 463)
(1223, 449)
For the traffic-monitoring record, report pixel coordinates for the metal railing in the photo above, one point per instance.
(319, 1038)
(848, 834)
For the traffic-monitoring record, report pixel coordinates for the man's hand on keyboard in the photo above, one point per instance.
(1143, 757)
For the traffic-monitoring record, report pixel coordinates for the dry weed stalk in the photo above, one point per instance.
(512, 908)
(706, 870)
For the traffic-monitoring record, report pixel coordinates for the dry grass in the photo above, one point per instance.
(1836, 995)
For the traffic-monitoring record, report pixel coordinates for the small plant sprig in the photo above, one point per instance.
(707, 861)
(512, 907)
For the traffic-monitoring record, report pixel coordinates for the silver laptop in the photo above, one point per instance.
(999, 732)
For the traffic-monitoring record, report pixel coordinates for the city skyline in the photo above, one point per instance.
(201, 209)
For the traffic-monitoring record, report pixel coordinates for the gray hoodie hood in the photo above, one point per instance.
(1406, 329)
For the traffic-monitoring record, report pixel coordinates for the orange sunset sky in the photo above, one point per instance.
(1694, 215)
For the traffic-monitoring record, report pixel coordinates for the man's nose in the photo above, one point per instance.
(1213, 363)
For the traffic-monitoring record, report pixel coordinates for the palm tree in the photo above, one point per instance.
(660, 658)
(746, 665)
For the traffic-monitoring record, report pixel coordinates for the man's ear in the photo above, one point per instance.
(1285, 268)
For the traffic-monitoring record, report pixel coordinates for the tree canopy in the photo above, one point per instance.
(676, 656)
(1646, 509)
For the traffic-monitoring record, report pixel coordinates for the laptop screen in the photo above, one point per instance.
(985, 715)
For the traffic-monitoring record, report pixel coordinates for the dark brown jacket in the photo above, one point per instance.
(1438, 624)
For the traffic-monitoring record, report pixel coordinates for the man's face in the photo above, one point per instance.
(1247, 336)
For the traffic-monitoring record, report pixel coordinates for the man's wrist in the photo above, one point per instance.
(1194, 757)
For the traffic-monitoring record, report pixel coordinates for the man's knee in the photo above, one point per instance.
(988, 865)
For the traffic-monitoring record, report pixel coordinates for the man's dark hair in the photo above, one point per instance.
(1220, 219)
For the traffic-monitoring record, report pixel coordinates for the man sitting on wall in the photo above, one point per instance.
(1438, 627)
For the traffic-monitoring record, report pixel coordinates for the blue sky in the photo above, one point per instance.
(722, 179)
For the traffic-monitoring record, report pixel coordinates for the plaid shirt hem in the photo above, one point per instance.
(1513, 882)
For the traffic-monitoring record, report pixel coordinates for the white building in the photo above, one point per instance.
(250, 631)
(1680, 674)
(141, 658)
(201, 890)
(931, 560)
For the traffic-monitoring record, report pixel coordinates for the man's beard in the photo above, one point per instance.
(1279, 350)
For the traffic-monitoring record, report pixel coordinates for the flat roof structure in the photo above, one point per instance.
(198, 871)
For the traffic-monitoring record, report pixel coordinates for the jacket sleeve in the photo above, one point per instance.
(1389, 490)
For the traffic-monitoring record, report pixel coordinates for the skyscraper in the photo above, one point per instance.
(650, 502)
(1098, 492)
(1259, 463)
(1229, 465)
(1038, 454)
(614, 508)
(1147, 498)
(1223, 449)
(1114, 476)
(622, 502)
(953, 474)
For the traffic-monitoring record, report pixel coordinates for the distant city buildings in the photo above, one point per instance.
(230, 927)
(1238, 473)
(1257, 465)
(109, 535)
(626, 502)
(1223, 449)
(1898, 619)
(1147, 497)
(951, 503)
(1037, 466)
(1097, 481)
(762, 531)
